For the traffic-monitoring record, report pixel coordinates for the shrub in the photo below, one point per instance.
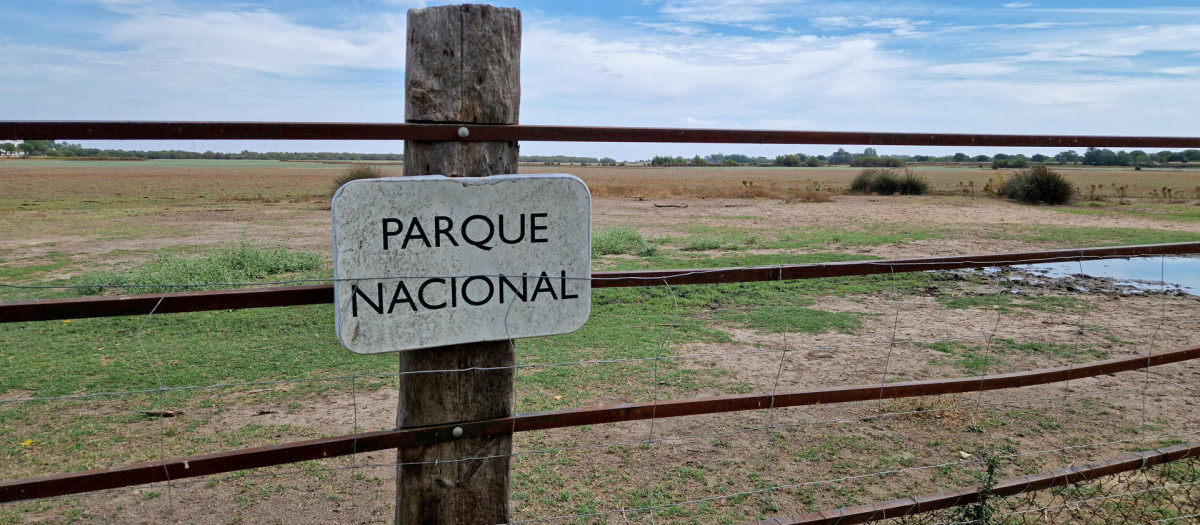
(888, 182)
(913, 184)
(1038, 185)
(358, 170)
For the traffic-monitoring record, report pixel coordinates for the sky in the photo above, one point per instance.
(1036, 67)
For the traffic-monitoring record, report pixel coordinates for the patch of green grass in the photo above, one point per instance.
(614, 240)
(1083, 236)
(979, 360)
(700, 244)
(1160, 212)
(241, 261)
(201, 348)
(49, 262)
(773, 319)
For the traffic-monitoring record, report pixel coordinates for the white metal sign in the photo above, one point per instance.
(431, 260)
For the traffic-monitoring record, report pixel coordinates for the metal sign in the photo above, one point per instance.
(431, 260)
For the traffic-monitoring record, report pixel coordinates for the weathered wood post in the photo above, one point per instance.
(463, 66)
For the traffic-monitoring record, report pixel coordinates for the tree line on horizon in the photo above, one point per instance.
(868, 158)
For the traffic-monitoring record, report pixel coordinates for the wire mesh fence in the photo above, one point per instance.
(646, 345)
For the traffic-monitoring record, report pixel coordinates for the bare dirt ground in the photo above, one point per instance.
(819, 456)
(89, 240)
(120, 212)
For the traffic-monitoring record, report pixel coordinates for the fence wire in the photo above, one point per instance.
(724, 467)
(1167, 493)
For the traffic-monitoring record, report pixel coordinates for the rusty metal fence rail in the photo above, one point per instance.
(230, 461)
(108, 130)
(222, 462)
(999, 504)
(198, 301)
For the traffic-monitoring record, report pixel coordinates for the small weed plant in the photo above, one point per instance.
(889, 182)
(1038, 185)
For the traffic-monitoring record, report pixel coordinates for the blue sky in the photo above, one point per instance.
(1128, 68)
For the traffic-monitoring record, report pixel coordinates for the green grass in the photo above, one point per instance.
(1150, 211)
(1010, 303)
(50, 262)
(241, 261)
(1082, 236)
(977, 360)
(793, 319)
(615, 240)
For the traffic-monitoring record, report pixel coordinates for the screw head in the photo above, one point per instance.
(463, 132)
(457, 432)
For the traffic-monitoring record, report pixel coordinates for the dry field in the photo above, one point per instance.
(62, 220)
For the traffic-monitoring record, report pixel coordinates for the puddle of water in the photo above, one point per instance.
(1147, 273)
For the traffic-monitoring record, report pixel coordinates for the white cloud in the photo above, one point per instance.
(899, 26)
(690, 122)
(724, 11)
(1018, 5)
(1180, 70)
(975, 69)
(682, 29)
(259, 40)
(1106, 44)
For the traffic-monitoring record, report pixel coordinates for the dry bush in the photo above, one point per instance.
(358, 170)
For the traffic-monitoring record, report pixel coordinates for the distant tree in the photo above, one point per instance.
(870, 153)
(841, 156)
(877, 162)
(608, 160)
(790, 160)
(728, 162)
(1067, 157)
(961, 157)
(813, 162)
(981, 158)
(920, 158)
(8, 148)
(1010, 161)
(1039, 158)
(1105, 157)
(1138, 157)
(667, 161)
(1191, 155)
(36, 147)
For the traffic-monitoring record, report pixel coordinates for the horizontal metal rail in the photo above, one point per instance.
(229, 461)
(176, 302)
(132, 130)
(1009, 487)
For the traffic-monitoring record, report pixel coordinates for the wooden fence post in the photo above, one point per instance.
(463, 66)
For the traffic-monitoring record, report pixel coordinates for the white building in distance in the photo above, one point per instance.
(5, 153)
